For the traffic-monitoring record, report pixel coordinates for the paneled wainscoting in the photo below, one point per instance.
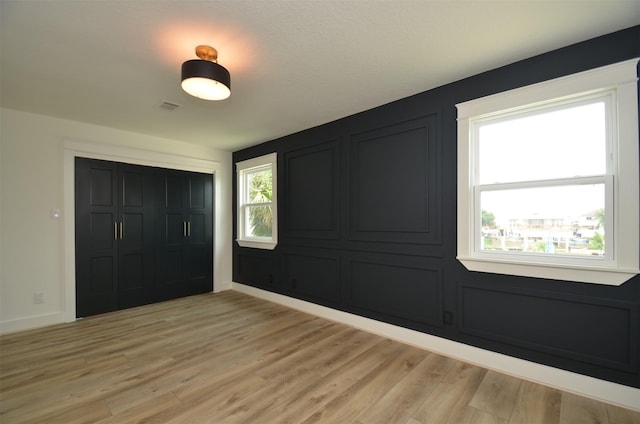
(232, 358)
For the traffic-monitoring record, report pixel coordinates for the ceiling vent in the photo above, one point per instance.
(167, 105)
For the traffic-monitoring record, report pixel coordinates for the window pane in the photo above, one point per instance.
(563, 220)
(259, 186)
(561, 143)
(258, 221)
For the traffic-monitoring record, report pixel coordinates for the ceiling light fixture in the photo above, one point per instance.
(204, 78)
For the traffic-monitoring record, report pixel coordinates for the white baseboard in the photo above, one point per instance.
(601, 390)
(29, 323)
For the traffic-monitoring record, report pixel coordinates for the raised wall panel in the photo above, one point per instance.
(394, 183)
(257, 269)
(399, 288)
(591, 330)
(313, 276)
(311, 192)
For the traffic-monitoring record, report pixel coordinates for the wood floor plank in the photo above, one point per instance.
(315, 355)
(83, 413)
(497, 394)
(69, 390)
(296, 406)
(400, 403)
(30, 373)
(471, 415)
(366, 392)
(577, 409)
(537, 404)
(230, 358)
(154, 410)
(447, 402)
(225, 395)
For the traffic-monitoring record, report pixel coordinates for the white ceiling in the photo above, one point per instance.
(293, 64)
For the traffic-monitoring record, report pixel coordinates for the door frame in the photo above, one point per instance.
(73, 149)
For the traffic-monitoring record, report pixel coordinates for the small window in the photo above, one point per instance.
(548, 179)
(257, 202)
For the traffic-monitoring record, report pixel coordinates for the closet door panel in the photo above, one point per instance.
(198, 228)
(96, 244)
(98, 178)
(174, 229)
(101, 230)
(131, 272)
(101, 269)
(133, 186)
(133, 236)
(199, 240)
(173, 188)
(170, 267)
(199, 192)
(198, 263)
(137, 209)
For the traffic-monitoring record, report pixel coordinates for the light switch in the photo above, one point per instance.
(56, 214)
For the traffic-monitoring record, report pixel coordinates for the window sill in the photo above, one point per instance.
(267, 245)
(606, 276)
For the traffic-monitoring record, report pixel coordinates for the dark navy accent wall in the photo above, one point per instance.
(367, 225)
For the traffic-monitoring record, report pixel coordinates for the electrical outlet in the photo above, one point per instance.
(39, 297)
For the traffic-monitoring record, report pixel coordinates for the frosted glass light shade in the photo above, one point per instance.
(206, 80)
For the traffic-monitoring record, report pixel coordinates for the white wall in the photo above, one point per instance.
(36, 176)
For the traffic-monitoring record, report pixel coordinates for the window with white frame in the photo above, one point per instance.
(548, 179)
(257, 202)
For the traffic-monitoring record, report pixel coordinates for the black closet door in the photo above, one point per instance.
(137, 212)
(199, 241)
(185, 248)
(171, 228)
(143, 235)
(97, 234)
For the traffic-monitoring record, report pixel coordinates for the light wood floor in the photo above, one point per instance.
(231, 358)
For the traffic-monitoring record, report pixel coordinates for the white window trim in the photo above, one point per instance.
(257, 242)
(621, 77)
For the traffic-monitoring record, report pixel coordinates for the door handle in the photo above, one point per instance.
(184, 228)
(115, 231)
(188, 228)
(121, 230)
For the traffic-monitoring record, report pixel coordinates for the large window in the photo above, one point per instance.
(257, 202)
(548, 179)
